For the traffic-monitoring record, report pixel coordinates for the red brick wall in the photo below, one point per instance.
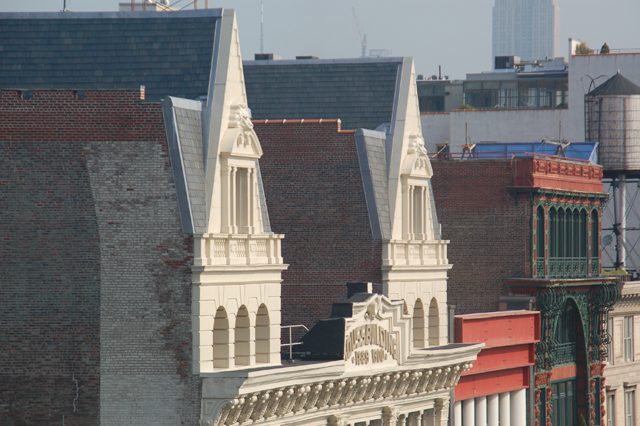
(315, 197)
(489, 229)
(70, 116)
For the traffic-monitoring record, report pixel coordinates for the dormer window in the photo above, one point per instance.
(240, 152)
(415, 192)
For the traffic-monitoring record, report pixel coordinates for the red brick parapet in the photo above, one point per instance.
(557, 174)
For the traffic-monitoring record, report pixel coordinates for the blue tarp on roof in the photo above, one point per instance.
(587, 151)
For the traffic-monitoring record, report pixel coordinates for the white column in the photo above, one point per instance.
(423, 213)
(481, 411)
(401, 421)
(519, 408)
(428, 230)
(441, 408)
(226, 202)
(412, 232)
(413, 418)
(233, 197)
(457, 413)
(389, 416)
(505, 409)
(250, 201)
(493, 410)
(468, 412)
(428, 418)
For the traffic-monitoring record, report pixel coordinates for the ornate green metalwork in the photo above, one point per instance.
(549, 302)
(593, 307)
(540, 273)
(567, 267)
(602, 300)
(595, 267)
(563, 353)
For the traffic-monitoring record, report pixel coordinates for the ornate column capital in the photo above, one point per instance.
(389, 416)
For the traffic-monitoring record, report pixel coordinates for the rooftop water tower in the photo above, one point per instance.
(613, 119)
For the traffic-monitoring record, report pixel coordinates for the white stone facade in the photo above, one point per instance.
(237, 262)
(386, 375)
(414, 260)
(380, 380)
(622, 374)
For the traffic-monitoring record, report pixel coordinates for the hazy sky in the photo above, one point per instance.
(453, 33)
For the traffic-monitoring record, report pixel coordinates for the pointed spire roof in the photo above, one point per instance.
(616, 85)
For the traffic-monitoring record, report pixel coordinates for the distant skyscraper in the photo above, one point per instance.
(526, 28)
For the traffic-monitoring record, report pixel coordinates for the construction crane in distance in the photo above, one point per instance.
(363, 37)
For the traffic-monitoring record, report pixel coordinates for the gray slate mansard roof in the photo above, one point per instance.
(183, 118)
(360, 92)
(170, 53)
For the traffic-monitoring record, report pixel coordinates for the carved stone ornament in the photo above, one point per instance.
(240, 117)
(416, 163)
(416, 145)
(289, 401)
(240, 139)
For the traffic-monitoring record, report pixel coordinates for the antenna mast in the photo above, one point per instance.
(261, 26)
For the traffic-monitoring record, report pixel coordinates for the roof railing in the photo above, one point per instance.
(291, 343)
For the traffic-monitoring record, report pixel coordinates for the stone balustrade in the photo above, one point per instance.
(415, 253)
(247, 249)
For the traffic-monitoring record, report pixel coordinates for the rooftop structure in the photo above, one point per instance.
(526, 28)
(494, 390)
(525, 234)
(142, 276)
(352, 200)
(109, 50)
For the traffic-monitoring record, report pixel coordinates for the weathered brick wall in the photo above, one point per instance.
(96, 268)
(489, 229)
(50, 291)
(315, 197)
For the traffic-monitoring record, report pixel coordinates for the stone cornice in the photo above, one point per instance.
(289, 401)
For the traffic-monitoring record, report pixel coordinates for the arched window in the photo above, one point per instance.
(221, 339)
(553, 232)
(595, 238)
(418, 324)
(263, 336)
(566, 326)
(243, 337)
(583, 234)
(434, 323)
(576, 234)
(540, 232)
(561, 233)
